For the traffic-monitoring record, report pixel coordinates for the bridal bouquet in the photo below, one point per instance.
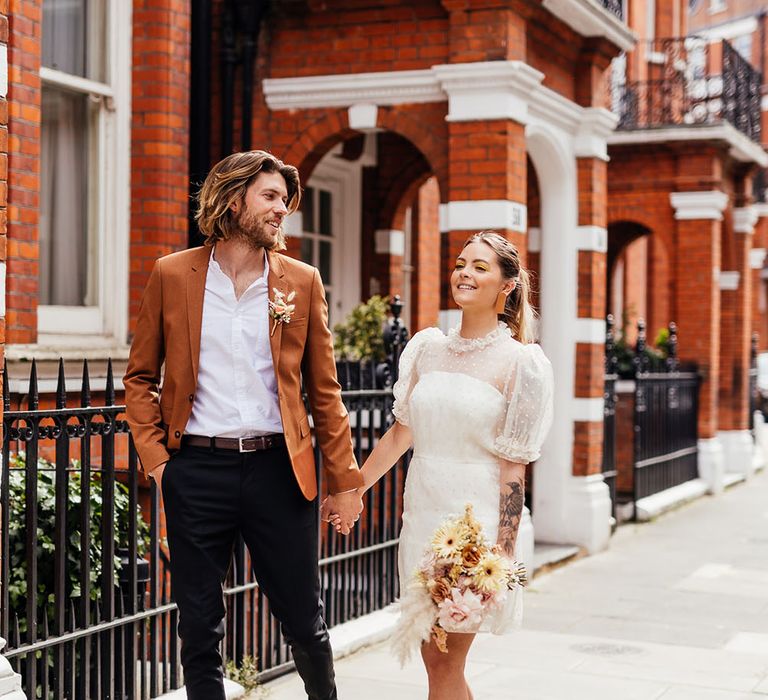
(459, 582)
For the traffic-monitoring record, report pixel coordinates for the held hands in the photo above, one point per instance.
(342, 510)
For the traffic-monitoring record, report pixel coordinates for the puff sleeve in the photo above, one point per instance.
(408, 371)
(529, 407)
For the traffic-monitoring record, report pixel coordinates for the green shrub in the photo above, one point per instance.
(360, 336)
(247, 674)
(46, 528)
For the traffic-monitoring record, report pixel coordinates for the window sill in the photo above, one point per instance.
(46, 356)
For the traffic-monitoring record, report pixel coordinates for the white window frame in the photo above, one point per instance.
(111, 210)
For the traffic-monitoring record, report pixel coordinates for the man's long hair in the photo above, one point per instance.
(226, 184)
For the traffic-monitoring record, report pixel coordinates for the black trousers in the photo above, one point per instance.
(210, 497)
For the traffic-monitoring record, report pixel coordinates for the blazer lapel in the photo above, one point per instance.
(195, 297)
(275, 281)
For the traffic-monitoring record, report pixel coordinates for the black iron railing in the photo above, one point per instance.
(85, 585)
(690, 82)
(664, 417)
(609, 414)
(615, 7)
(753, 390)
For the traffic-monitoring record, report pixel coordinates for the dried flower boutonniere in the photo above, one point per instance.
(280, 308)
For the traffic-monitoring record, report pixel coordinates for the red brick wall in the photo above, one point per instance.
(3, 176)
(159, 136)
(24, 55)
(425, 291)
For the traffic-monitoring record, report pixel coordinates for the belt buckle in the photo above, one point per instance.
(242, 448)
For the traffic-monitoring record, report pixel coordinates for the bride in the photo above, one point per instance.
(475, 405)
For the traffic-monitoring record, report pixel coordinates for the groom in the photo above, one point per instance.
(227, 438)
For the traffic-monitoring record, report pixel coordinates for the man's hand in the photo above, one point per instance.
(342, 510)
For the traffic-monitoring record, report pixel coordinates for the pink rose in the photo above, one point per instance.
(462, 612)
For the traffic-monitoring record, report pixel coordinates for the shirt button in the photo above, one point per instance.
(191, 397)
(177, 434)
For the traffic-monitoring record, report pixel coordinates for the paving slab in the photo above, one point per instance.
(675, 609)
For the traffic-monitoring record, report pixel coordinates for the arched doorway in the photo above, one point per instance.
(369, 222)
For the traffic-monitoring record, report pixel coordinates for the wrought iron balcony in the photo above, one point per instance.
(689, 82)
(615, 7)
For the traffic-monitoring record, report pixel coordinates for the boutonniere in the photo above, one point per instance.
(280, 308)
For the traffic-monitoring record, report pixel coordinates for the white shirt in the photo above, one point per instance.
(236, 386)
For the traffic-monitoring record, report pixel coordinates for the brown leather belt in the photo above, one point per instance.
(251, 444)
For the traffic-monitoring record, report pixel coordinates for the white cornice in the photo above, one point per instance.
(476, 215)
(761, 209)
(699, 205)
(756, 258)
(729, 280)
(742, 148)
(744, 219)
(488, 89)
(474, 91)
(347, 89)
(590, 18)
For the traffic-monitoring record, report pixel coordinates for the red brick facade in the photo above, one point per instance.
(3, 174)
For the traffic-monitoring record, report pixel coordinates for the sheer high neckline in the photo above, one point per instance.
(458, 343)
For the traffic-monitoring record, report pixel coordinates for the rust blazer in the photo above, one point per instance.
(168, 332)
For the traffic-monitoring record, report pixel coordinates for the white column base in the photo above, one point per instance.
(760, 457)
(737, 451)
(524, 542)
(712, 464)
(10, 682)
(589, 512)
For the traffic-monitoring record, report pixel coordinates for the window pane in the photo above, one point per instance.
(325, 213)
(325, 261)
(306, 251)
(73, 37)
(308, 210)
(63, 198)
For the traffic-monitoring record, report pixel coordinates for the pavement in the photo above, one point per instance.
(675, 609)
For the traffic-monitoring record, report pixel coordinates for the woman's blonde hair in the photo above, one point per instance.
(227, 183)
(519, 313)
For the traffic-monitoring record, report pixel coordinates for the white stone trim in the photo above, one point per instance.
(757, 258)
(729, 30)
(390, 241)
(764, 103)
(293, 226)
(712, 463)
(596, 125)
(10, 681)
(363, 117)
(448, 318)
(590, 410)
(729, 280)
(347, 89)
(534, 239)
(590, 18)
(742, 148)
(592, 238)
(738, 447)
(476, 215)
(761, 209)
(3, 70)
(488, 89)
(744, 219)
(2, 289)
(699, 205)
(590, 330)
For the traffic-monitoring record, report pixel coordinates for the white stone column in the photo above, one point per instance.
(10, 682)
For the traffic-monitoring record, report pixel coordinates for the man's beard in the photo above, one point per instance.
(255, 233)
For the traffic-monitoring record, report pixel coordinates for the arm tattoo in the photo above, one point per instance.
(510, 514)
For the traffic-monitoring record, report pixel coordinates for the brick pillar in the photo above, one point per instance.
(159, 137)
(697, 311)
(24, 56)
(592, 263)
(486, 160)
(735, 342)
